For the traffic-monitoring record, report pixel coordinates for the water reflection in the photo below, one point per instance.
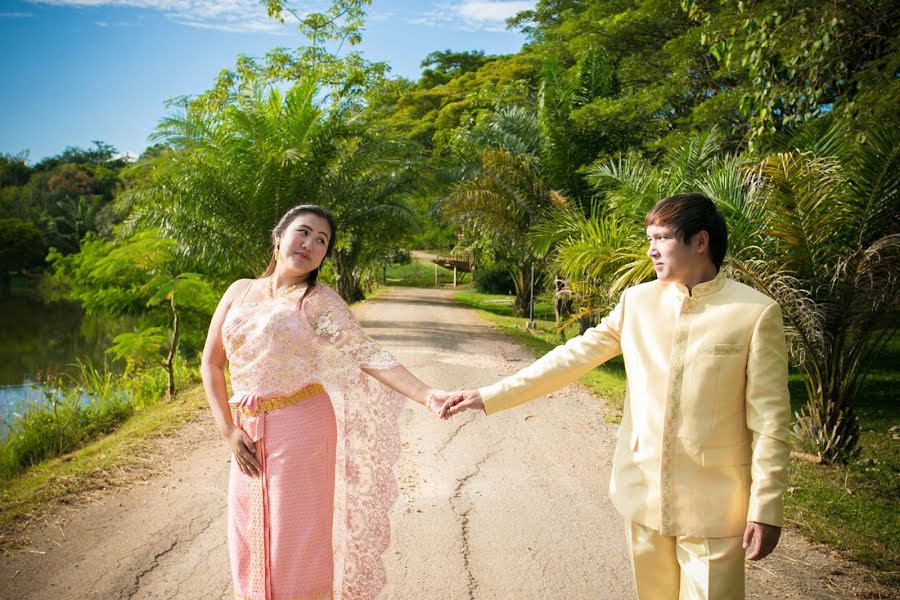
(39, 338)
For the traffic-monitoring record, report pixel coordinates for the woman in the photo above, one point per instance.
(311, 478)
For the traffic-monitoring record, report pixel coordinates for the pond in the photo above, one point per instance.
(40, 338)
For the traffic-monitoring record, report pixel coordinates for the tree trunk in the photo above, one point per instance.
(585, 322)
(348, 278)
(522, 282)
(827, 426)
(173, 350)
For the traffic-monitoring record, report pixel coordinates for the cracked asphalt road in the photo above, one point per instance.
(512, 506)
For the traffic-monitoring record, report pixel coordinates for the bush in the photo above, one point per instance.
(400, 256)
(494, 280)
(67, 419)
(95, 404)
(147, 386)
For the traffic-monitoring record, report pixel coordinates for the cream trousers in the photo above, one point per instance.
(685, 568)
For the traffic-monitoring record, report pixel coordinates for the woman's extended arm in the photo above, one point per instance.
(331, 318)
(400, 380)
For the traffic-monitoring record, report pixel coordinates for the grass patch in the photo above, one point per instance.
(420, 273)
(607, 380)
(853, 508)
(74, 412)
(95, 465)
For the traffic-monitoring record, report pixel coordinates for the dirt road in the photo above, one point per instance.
(512, 506)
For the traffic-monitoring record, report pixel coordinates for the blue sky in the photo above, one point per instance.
(81, 70)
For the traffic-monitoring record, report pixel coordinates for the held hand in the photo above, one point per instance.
(436, 400)
(243, 450)
(762, 537)
(462, 400)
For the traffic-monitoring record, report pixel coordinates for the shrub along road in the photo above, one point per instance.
(508, 506)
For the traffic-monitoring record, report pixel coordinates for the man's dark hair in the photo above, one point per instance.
(687, 215)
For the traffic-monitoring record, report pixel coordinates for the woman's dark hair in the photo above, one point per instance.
(282, 225)
(687, 215)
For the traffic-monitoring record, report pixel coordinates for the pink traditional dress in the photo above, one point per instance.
(314, 523)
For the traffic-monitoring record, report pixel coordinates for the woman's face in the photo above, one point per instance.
(303, 244)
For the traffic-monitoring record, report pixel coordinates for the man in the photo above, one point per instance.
(701, 460)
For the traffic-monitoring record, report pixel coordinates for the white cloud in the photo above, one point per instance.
(378, 16)
(472, 15)
(474, 10)
(106, 24)
(225, 15)
(15, 15)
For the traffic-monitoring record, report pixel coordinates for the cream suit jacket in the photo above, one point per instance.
(704, 442)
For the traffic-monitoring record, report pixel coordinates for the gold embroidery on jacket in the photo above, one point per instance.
(670, 426)
(721, 349)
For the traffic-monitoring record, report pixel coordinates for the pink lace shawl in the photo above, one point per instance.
(368, 443)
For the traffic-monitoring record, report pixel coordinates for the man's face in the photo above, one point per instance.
(673, 260)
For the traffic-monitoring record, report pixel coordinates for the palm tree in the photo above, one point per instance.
(564, 146)
(76, 218)
(524, 164)
(501, 194)
(230, 175)
(829, 245)
(366, 186)
(814, 227)
(604, 252)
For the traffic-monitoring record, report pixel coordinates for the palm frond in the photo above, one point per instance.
(875, 184)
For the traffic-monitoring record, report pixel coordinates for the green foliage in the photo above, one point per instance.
(21, 246)
(828, 245)
(434, 115)
(68, 417)
(230, 175)
(101, 154)
(798, 62)
(849, 507)
(76, 217)
(494, 280)
(344, 78)
(137, 275)
(140, 349)
(566, 145)
(418, 273)
(342, 21)
(440, 67)
(501, 193)
(63, 197)
(14, 170)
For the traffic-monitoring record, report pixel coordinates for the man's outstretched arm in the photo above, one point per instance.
(560, 366)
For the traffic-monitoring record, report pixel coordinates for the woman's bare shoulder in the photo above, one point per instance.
(236, 289)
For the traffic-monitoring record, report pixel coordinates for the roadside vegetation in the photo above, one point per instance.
(129, 452)
(539, 166)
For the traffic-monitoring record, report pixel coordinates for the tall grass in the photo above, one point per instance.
(78, 409)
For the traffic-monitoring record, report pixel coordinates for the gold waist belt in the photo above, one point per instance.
(304, 393)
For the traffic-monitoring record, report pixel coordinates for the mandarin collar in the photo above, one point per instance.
(701, 289)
